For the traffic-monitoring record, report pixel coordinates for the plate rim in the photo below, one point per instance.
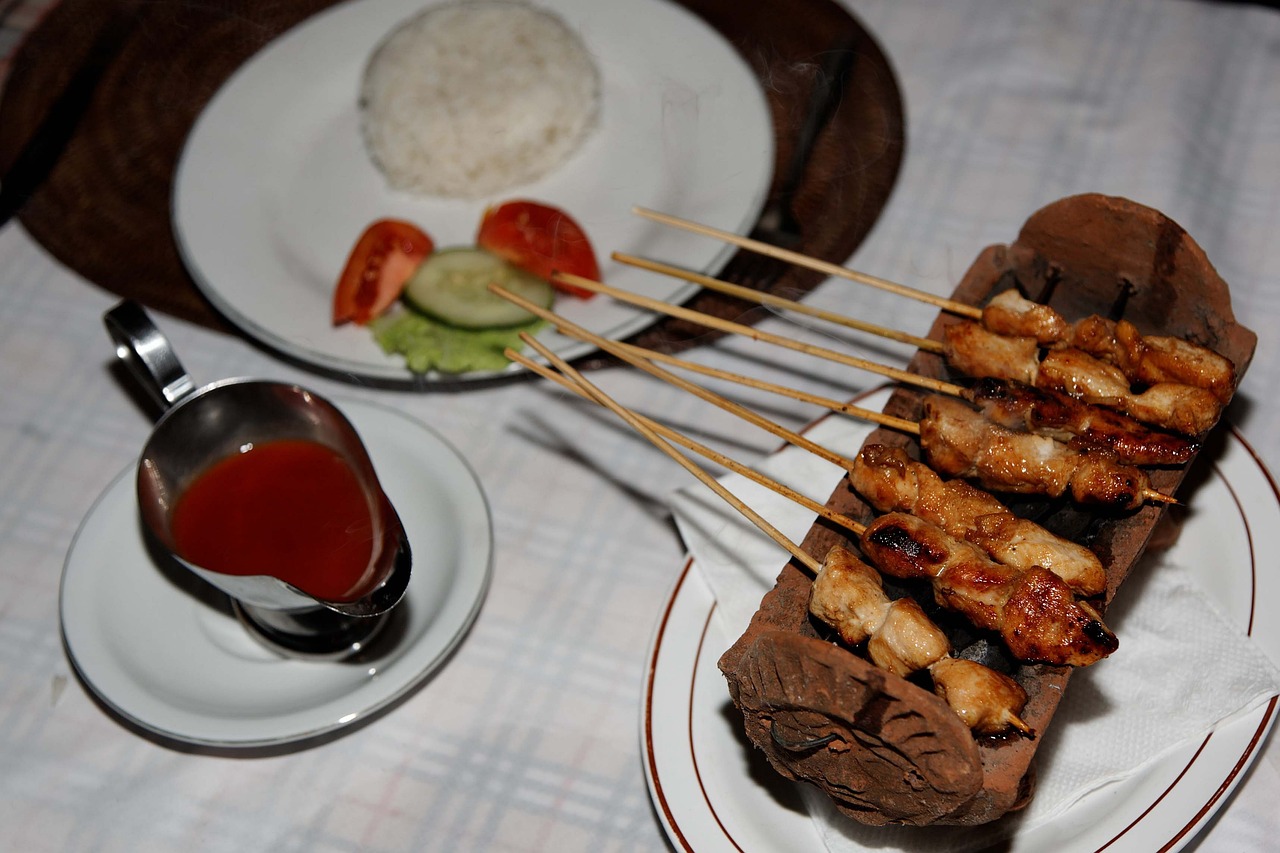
(393, 371)
(1262, 718)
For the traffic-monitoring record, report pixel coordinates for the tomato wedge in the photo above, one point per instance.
(384, 257)
(539, 239)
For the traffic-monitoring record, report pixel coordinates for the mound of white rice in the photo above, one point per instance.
(472, 98)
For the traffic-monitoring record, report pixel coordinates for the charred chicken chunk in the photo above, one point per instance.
(1080, 425)
(987, 701)
(1145, 359)
(958, 442)
(891, 481)
(1033, 611)
(848, 595)
(973, 350)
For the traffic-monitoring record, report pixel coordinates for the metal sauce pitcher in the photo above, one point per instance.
(200, 426)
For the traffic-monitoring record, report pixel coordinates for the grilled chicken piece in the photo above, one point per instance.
(1010, 313)
(891, 481)
(1076, 423)
(905, 640)
(1169, 359)
(958, 442)
(1144, 359)
(971, 349)
(1033, 611)
(848, 595)
(1181, 408)
(987, 701)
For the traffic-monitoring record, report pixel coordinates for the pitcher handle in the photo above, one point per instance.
(147, 353)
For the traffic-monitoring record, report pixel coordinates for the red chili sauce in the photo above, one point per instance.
(292, 509)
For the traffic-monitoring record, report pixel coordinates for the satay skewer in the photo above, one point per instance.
(1004, 403)
(1033, 610)
(953, 433)
(1013, 595)
(759, 296)
(1183, 408)
(974, 350)
(1148, 359)
(1045, 403)
(701, 449)
(802, 260)
(1115, 432)
(850, 597)
(904, 376)
(1006, 538)
(1128, 488)
(943, 420)
(889, 480)
(990, 524)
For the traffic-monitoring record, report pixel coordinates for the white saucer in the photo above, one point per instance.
(181, 667)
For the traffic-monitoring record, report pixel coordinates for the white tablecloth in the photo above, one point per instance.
(528, 738)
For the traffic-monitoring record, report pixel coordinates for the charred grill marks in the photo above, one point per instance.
(898, 541)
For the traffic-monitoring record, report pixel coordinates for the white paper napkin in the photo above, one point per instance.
(1181, 668)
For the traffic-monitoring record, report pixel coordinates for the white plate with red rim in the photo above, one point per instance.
(274, 184)
(173, 663)
(713, 792)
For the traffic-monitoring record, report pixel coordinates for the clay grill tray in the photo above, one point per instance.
(899, 754)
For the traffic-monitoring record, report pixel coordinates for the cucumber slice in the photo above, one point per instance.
(452, 285)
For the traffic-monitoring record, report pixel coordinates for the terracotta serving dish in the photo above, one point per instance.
(887, 750)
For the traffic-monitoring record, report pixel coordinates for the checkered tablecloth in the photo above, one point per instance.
(528, 738)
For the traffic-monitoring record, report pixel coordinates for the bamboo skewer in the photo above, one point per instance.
(1014, 701)
(949, 305)
(903, 376)
(636, 423)
(924, 344)
(751, 295)
(900, 424)
(701, 449)
(628, 355)
(574, 330)
(637, 357)
(860, 412)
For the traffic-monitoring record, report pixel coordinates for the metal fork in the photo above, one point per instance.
(778, 224)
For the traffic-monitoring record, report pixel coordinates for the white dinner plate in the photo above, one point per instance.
(274, 184)
(714, 792)
(185, 669)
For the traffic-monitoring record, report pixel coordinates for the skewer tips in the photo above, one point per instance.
(1015, 722)
(1089, 610)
